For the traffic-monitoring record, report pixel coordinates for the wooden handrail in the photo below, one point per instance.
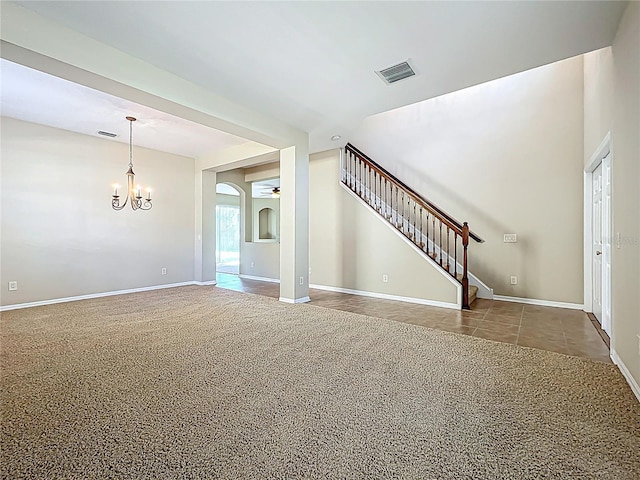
(434, 232)
(441, 214)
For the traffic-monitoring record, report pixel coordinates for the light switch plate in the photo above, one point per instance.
(510, 238)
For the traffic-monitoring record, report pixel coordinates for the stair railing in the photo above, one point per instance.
(436, 233)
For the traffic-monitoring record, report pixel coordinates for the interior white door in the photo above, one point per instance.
(597, 242)
(606, 244)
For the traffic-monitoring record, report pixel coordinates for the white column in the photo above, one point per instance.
(294, 224)
(205, 234)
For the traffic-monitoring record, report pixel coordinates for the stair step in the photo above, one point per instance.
(473, 293)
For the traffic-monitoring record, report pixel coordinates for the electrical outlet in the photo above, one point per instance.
(13, 286)
(510, 238)
(514, 280)
(163, 271)
(301, 280)
(385, 278)
(253, 264)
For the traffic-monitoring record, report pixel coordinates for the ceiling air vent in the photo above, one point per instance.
(397, 72)
(107, 134)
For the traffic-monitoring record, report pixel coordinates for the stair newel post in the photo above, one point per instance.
(465, 278)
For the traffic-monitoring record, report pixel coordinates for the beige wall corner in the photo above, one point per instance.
(625, 167)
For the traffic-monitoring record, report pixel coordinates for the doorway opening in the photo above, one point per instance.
(228, 221)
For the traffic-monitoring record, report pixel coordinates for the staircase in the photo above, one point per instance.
(439, 236)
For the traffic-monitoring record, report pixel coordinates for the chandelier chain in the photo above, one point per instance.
(131, 143)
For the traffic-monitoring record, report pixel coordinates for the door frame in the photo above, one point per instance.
(601, 152)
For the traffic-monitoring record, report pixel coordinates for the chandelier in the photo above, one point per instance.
(134, 192)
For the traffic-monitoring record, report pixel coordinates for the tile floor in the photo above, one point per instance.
(547, 328)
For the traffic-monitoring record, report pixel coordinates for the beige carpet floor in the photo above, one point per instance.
(200, 382)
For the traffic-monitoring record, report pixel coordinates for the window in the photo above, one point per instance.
(227, 238)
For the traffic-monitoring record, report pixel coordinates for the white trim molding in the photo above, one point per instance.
(52, 301)
(535, 301)
(386, 296)
(260, 279)
(204, 284)
(296, 300)
(635, 388)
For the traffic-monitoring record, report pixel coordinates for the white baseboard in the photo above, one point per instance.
(297, 300)
(544, 303)
(202, 284)
(386, 296)
(99, 295)
(635, 388)
(261, 279)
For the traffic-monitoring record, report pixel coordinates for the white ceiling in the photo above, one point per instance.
(311, 64)
(37, 97)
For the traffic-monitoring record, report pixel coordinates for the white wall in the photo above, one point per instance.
(60, 236)
(506, 156)
(625, 165)
(598, 98)
(351, 247)
(612, 105)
